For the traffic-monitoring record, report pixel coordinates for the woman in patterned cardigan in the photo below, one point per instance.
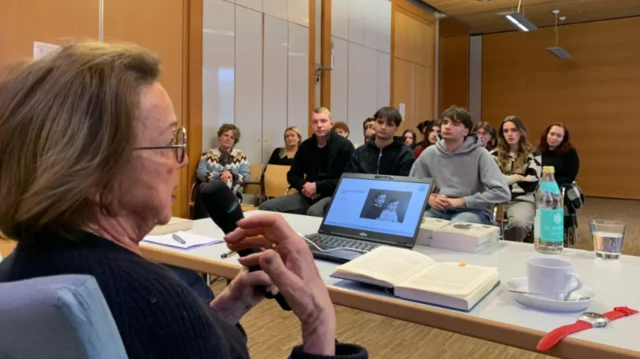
(225, 163)
(521, 164)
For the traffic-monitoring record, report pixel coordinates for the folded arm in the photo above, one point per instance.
(495, 184)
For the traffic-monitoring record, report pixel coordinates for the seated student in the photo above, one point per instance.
(409, 138)
(284, 155)
(389, 213)
(383, 153)
(487, 135)
(317, 167)
(430, 130)
(520, 163)
(468, 181)
(341, 128)
(367, 130)
(557, 151)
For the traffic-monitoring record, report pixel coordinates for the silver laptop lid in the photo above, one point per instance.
(378, 208)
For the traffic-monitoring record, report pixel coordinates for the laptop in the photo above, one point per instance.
(370, 210)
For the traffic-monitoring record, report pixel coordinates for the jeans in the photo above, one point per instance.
(470, 215)
(520, 215)
(299, 204)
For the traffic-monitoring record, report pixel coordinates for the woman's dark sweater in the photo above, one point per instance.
(275, 158)
(566, 164)
(157, 315)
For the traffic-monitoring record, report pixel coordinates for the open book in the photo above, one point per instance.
(414, 276)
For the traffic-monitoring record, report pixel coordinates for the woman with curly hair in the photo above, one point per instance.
(521, 164)
(558, 151)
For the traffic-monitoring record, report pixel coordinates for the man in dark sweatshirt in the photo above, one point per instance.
(468, 180)
(317, 167)
(383, 153)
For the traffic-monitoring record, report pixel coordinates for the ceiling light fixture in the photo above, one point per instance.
(518, 20)
(556, 50)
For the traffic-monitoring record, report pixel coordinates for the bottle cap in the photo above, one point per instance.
(548, 169)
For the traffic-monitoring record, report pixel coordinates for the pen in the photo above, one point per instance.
(178, 239)
(228, 254)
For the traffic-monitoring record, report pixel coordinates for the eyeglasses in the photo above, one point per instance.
(179, 143)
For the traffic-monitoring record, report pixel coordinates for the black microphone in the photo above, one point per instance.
(224, 209)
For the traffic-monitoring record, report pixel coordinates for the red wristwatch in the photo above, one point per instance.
(587, 320)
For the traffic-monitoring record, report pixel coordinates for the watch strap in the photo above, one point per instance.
(554, 336)
(619, 312)
(550, 339)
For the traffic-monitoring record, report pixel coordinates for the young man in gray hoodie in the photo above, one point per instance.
(468, 180)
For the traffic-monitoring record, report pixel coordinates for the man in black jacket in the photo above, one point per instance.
(383, 153)
(317, 167)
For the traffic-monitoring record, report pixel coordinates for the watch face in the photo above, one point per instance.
(596, 319)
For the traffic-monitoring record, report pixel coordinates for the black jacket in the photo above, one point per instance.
(395, 159)
(324, 166)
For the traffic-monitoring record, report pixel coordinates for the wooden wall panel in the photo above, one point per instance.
(453, 67)
(160, 29)
(412, 62)
(423, 94)
(57, 22)
(402, 90)
(595, 94)
(6, 247)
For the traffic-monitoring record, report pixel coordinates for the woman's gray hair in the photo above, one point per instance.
(68, 129)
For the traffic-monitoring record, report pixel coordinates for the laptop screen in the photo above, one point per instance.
(378, 209)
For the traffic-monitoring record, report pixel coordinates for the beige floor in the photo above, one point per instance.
(272, 333)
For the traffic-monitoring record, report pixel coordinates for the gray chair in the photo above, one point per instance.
(62, 316)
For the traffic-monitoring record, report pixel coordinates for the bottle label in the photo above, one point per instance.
(549, 186)
(551, 225)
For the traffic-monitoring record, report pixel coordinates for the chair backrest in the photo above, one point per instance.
(253, 185)
(57, 317)
(275, 180)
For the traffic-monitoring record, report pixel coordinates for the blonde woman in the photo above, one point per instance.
(284, 155)
(520, 162)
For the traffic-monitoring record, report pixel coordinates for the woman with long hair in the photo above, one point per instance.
(558, 151)
(521, 164)
(284, 155)
(487, 135)
(430, 129)
(409, 138)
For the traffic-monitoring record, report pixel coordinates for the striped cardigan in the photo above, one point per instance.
(212, 164)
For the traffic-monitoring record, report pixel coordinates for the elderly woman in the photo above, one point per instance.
(225, 163)
(95, 171)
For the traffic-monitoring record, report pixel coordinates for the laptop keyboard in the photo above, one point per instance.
(327, 242)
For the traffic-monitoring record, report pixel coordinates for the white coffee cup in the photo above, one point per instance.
(553, 277)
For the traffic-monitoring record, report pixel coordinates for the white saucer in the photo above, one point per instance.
(550, 304)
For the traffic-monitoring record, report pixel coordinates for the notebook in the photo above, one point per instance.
(370, 210)
(191, 240)
(414, 276)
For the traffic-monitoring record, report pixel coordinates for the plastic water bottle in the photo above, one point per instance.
(548, 226)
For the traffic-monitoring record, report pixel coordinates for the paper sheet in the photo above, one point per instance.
(192, 240)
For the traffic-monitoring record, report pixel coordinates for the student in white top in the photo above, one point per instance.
(389, 213)
(521, 164)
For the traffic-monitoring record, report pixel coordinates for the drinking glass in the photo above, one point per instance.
(608, 237)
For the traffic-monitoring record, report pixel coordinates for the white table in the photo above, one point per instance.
(498, 317)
